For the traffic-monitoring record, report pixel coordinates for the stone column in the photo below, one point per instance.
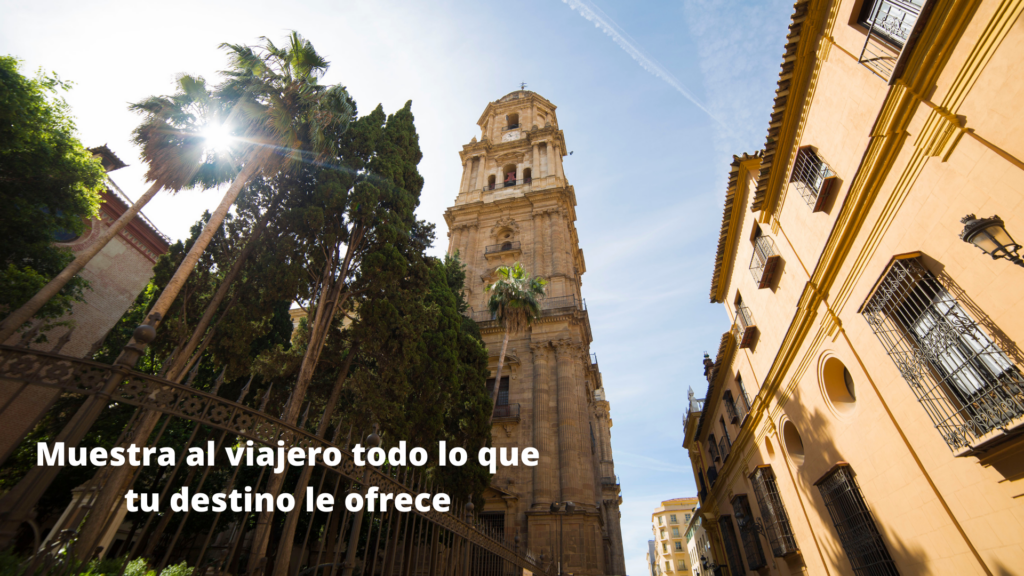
(555, 242)
(467, 167)
(470, 252)
(545, 473)
(573, 470)
(551, 158)
(458, 232)
(558, 163)
(590, 480)
(536, 170)
(481, 174)
(538, 244)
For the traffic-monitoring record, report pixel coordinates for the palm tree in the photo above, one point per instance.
(174, 144)
(513, 303)
(277, 116)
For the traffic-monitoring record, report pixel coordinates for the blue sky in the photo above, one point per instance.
(653, 96)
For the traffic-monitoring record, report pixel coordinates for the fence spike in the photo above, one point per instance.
(220, 379)
(192, 375)
(266, 396)
(167, 362)
(245, 389)
(305, 415)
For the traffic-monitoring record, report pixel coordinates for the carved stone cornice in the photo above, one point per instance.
(505, 222)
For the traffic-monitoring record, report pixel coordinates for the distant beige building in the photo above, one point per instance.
(515, 204)
(698, 546)
(668, 523)
(865, 414)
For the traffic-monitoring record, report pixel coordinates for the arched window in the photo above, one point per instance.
(508, 175)
(527, 175)
(490, 182)
(511, 121)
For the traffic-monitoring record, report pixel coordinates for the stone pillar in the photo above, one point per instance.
(590, 480)
(469, 253)
(535, 162)
(551, 158)
(458, 233)
(571, 422)
(467, 167)
(545, 473)
(556, 242)
(481, 174)
(539, 246)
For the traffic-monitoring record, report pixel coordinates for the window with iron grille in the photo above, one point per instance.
(964, 380)
(502, 390)
(748, 536)
(773, 512)
(746, 329)
(725, 444)
(713, 448)
(889, 24)
(812, 177)
(730, 407)
(732, 548)
(743, 394)
(853, 521)
(764, 260)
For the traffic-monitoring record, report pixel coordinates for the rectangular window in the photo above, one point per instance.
(713, 448)
(725, 444)
(668, 566)
(746, 329)
(964, 380)
(732, 548)
(858, 534)
(502, 391)
(688, 518)
(748, 535)
(681, 565)
(662, 533)
(675, 532)
(743, 394)
(889, 24)
(812, 177)
(773, 512)
(672, 519)
(730, 407)
(679, 546)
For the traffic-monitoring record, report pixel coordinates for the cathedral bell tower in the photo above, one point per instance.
(515, 204)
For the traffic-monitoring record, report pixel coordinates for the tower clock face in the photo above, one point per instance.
(510, 136)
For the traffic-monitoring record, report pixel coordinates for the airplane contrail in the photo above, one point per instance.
(613, 30)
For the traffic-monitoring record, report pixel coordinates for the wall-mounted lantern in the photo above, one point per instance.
(990, 235)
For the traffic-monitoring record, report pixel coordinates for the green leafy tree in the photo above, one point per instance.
(49, 183)
(513, 303)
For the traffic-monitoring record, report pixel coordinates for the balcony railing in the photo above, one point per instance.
(813, 178)
(746, 330)
(503, 247)
(610, 481)
(489, 187)
(548, 307)
(510, 183)
(724, 446)
(889, 24)
(510, 127)
(764, 261)
(506, 413)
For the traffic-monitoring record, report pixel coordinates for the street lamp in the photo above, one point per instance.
(990, 235)
(708, 564)
(556, 508)
(752, 524)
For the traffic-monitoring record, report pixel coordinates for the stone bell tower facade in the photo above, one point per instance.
(515, 204)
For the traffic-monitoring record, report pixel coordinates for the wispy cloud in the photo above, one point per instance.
(601, 20)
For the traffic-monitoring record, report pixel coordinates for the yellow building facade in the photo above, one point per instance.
(865, 413)
(669, 522)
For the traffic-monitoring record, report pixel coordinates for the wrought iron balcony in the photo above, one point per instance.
(593, 358)
(510, 183)
(506, 413)
(489, 187)
(764, 261)
(510, 127)
(746, 329)
(559, 304)
(889, 24)
(712, 475)
(503, 247)
(610, 481)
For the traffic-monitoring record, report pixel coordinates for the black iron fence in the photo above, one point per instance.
(503, 247)
(506, 412)
(367, 542)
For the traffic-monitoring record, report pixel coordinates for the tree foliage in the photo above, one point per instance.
(49, 183)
